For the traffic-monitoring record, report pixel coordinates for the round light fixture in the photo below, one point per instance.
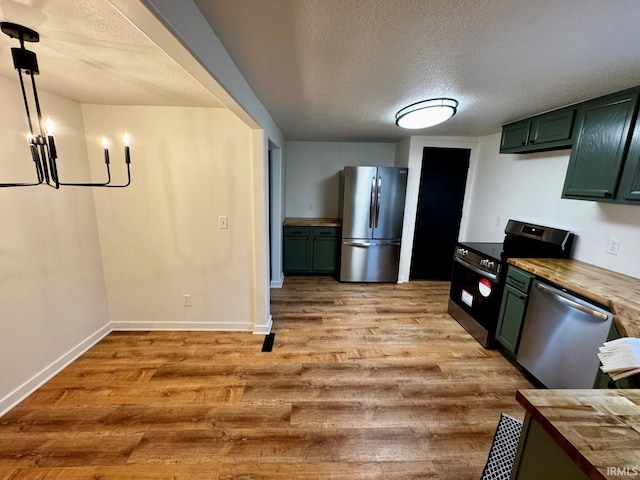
(426, 113)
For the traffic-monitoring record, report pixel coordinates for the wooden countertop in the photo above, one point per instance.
(620, 293)
(597, 429)
(312, 222)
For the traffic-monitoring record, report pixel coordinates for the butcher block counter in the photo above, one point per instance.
(620, 293)
(597, 432)
(311, 222)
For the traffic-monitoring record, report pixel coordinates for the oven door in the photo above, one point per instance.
(477, 294)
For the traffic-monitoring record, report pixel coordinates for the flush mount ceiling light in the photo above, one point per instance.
(40, 138)
(426, 113)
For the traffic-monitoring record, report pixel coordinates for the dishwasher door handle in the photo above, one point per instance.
(568, 300)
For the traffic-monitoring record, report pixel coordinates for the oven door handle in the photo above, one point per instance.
(489, 275)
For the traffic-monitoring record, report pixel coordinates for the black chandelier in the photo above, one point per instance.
(42, 143)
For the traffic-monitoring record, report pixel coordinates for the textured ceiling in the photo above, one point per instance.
(341, 69)
(90, 53)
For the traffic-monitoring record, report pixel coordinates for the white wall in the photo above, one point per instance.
(160, 237)
(529, 187)
(403, 150)
(313, 178)
(52, 295)
(201, 53)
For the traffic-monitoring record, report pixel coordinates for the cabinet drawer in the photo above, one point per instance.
(297, 231)
(519, 279)
(325, 232)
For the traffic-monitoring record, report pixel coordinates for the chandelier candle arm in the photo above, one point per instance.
(50, 127)
(127, 155)
(105, 145)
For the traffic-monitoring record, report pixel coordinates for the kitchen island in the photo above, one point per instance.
(579, 434)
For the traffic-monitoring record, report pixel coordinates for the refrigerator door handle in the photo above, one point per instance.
(372, 202)
(379, 189)
(380, 243)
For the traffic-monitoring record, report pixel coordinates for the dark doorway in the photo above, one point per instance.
(442, 184)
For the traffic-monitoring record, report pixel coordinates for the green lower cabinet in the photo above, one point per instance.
(311, 250)
(540, 457)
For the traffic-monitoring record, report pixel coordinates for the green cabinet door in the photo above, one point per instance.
(297, 254)
(552, 129)
(510, 320)
(297, 245)
(629, 191)
(325, 255)
(603, 127)
(326, 247)
(515, 136)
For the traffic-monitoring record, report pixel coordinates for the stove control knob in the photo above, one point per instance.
(490, 264)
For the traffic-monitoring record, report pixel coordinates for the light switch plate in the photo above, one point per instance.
(223, 221)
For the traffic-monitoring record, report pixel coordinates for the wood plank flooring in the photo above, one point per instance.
(365, 381)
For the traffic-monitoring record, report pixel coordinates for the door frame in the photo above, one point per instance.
(416, 148)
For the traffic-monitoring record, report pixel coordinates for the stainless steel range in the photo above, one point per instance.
(477, 281)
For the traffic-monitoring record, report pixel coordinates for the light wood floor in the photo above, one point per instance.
(365, 381)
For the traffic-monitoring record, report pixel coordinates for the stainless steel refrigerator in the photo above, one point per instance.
(372, 214)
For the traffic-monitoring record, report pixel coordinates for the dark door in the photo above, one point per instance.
(442, 184)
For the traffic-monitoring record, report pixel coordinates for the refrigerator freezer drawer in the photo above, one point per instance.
(370, 261)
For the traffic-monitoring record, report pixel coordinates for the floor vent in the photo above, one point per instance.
(267, 346)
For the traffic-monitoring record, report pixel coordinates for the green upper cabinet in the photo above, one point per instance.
(548, 131)
(602, 133)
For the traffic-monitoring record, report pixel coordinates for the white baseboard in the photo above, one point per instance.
(263, 329)
(180, 326)
(278, 283)
(47, 373)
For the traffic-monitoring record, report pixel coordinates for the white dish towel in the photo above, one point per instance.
(621, 357)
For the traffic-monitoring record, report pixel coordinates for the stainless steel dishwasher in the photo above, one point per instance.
(561, 336)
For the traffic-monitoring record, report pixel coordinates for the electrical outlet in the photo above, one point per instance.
(186, 300)
(498, 221)
(223, 221)
(614, 246)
